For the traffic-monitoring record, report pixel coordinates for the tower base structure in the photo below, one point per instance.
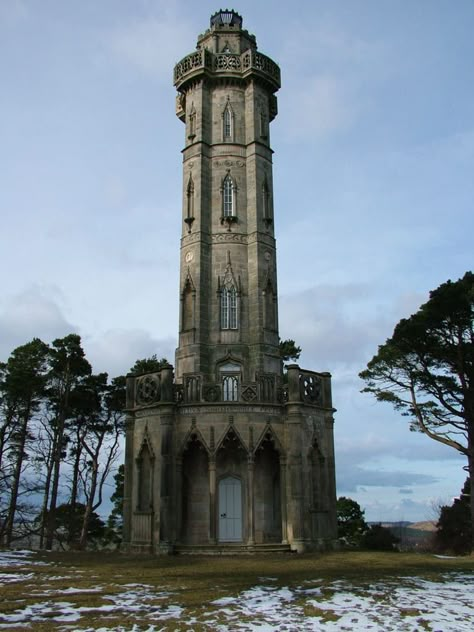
(213, 476)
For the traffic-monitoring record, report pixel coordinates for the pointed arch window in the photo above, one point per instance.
(230, 388)
(263, 124)
(228, 197)
(189, 219)
(230, 376)
(228, 123)
(145, 463)
(266, 207)
(229, 311)
(192, 123)
(188, 298)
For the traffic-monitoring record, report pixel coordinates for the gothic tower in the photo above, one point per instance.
(227, 451)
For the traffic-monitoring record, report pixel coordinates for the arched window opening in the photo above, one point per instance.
(229, 312)
(228, 197)
(263, 124)
(270, 308)
(230, 376)
(188, 308)
(266, 207)
(145, 471)
(228, 123)
(192, 123)
(230, 388)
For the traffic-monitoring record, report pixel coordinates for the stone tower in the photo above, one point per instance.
(228, 451)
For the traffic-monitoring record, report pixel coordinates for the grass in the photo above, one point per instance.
(194, 581)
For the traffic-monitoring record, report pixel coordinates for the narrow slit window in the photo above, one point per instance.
(228, 197)
(228, 123)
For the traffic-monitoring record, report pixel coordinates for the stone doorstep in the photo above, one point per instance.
(231, 549)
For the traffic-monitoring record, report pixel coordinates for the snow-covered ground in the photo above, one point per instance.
(403, 604)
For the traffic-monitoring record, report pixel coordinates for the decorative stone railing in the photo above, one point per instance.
(308, 387)
(229, 64)
(303, 387)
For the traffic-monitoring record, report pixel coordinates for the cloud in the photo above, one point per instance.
(116, 350)
(350, 478)
(333, 324)
(34, 312)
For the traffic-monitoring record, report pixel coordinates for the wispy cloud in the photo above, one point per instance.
(34, 312)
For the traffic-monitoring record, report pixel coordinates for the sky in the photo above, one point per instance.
(373, 191)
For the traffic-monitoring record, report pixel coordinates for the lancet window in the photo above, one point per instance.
(266, 207)
(230, 376)
(228, 123)
(192, 123)
(229, 313)
(228, 197)
(145, 473)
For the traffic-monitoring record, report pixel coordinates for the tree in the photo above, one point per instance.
(289, 350)
(378, 538)
(22, 389)
(426, 369)
(68, 366)
(351, 524)
(115, 519)
(148, 365)
(453, 529)
(100, 435)
(68, 523)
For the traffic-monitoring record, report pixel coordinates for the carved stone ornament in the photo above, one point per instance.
(310, 388)
(249, 393)
(148, 389)
(211, 393)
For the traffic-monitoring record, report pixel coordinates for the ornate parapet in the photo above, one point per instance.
(204, 63)
(309, 387)
(150, 389)
(194, 390)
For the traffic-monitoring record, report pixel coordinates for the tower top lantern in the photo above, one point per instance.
(226, 18)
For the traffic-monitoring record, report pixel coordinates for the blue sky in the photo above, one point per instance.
(374, 149)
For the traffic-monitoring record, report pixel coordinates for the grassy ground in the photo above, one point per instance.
(193, 582)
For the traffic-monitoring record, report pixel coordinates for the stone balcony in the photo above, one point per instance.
(203, 62)
(302, 387)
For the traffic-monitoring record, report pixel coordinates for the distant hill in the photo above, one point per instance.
(426, 525)
(412, 535)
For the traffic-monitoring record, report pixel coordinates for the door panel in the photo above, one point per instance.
(230, 509)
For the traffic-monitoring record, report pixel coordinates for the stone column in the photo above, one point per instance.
(128, 507)
(179, 499)
(212, 500)
(284, 528)
(250, 511)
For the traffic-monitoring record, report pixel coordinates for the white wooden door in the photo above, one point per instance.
(230, 510)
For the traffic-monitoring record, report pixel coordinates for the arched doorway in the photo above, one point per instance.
(230, 509)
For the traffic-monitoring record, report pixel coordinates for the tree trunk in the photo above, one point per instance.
(54, 486)
(471, 479)
(16, 478)
(89, 505)
(44, 508)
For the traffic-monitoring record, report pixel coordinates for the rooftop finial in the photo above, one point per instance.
(226, 17)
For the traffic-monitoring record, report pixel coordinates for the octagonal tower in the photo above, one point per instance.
(227, 452)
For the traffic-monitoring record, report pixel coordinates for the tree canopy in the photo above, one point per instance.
(426, 369)
(289, 350)
(351, 524)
